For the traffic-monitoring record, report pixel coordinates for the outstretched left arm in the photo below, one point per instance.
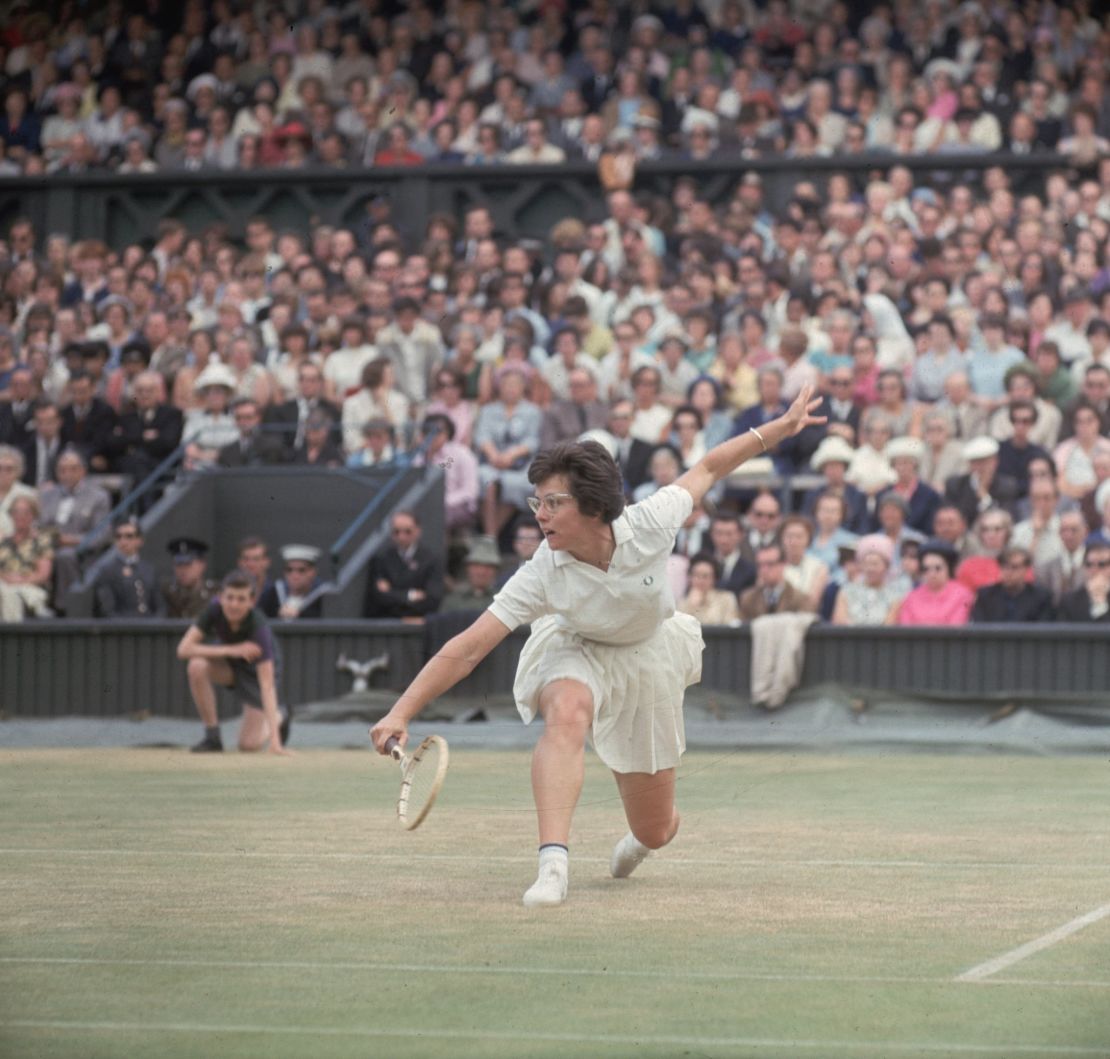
(726, 457)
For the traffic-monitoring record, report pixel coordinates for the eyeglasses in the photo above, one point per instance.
(1097, 564)
(840, 382)
(549, 503)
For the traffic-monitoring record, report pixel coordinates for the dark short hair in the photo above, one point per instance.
(705, 557)
(941, 552)
(249, 543)
(593, 479)
(238, 579)
(438, 422)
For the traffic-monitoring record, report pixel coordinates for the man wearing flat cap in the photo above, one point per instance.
(187, 591)
(982, 487)
(483, 562)
(294, 594)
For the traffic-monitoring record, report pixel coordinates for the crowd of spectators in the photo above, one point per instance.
(957, 330)
(237, 86)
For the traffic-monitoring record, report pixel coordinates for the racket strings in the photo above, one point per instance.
(421, 779)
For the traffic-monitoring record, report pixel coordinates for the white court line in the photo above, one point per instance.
(376, 1033)
(423, 968)
(529, 858)
(1045, 941)
(557, 972)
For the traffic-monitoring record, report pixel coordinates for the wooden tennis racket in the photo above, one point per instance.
(422, 775)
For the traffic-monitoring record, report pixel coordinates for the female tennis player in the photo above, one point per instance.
(608, 658)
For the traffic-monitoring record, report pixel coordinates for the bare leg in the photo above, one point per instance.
(254, 730)
(649, 805)
(558, 762)
(204, 673)
(489, 510)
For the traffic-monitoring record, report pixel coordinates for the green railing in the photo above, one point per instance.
(524, 200)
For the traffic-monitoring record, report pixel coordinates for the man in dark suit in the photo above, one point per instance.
(255, 448)
(568, 420)
(148, 435)
(982, 487)
(17, 412)
(791, 454)
(405, 579)
(126, 585)
(737, 573)
(292, 415)
(42, 445)
(633, 455)
(1014, 598)
(762, 523)
(1017, 452)
(89, 423)
(838, 407)
(1092, 602)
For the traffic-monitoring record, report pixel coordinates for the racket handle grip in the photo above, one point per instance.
(393, 747)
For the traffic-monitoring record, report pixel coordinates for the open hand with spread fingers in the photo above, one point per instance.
(800, 414)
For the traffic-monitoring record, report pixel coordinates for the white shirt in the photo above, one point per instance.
(624, 605)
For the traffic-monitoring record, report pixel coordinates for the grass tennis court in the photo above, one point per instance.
(157, 903)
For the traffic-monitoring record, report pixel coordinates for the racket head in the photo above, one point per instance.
(422, 776)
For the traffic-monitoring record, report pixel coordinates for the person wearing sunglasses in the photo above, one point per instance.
(126, 586)
(1092, 601)
(1015, 598)
(608, 656)
(939, 599)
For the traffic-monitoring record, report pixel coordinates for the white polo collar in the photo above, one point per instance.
(622, 533)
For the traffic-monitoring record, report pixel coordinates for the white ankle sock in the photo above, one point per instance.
(553, 852)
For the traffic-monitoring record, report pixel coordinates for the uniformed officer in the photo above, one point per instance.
(187, 591)
(126, 585)
(296, 593)
(483, 563)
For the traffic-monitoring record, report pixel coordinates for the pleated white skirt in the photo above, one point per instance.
(637, 688)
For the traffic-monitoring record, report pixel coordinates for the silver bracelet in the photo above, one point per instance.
(752, 430)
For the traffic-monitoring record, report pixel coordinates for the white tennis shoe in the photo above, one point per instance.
(628, 854)
(550, 887)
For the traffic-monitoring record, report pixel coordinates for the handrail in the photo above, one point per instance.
(723, 163)
(91, 539)
(402, 461)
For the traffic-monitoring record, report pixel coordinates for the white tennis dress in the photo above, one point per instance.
(617, 632)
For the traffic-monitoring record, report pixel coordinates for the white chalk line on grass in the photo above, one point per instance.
(984, 970)
(515, 971)
(641, 1040)
(519, 858)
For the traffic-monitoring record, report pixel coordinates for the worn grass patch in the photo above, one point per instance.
(161, 903)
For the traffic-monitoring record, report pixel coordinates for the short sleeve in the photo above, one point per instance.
(524, 597)
(264, 637)
(206, 620)
(661, 515)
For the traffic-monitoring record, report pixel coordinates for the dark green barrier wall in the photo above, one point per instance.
(524, 200)
(109, 668)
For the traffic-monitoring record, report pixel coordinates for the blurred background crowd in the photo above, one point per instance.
(956, 323)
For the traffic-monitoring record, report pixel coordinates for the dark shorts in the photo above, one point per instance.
(244, 684)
